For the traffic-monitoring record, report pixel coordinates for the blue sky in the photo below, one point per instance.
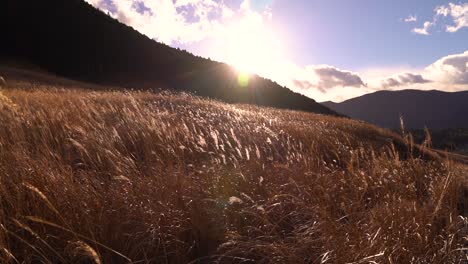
(325, 49)
(363, 33)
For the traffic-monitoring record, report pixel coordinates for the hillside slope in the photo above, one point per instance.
(73, 39)
(432, 109)
(139, 177)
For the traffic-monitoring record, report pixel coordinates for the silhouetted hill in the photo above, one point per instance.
(434, 109)
(73, 39)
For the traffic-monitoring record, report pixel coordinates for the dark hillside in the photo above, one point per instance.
(73, 39)
(434, 109)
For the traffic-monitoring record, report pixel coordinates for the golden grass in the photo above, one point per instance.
(118, 177)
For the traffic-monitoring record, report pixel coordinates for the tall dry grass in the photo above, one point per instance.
(134, 177)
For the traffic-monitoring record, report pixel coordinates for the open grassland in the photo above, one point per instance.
(118, 177)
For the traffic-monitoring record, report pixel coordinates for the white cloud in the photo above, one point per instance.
(424, 30)
(324, 78)
(330, 77)
(179, 21)
(94, 2)
(305, 85)
(189, 21)
(451, 69)
(404, 79)
(457, 13)
(410, 18)
(449, 73)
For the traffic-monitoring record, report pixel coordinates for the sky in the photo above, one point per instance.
(325, 49)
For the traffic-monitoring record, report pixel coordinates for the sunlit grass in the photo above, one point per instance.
(115, 177)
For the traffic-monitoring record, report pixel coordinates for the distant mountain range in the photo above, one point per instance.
(70, 38)
(433, 109)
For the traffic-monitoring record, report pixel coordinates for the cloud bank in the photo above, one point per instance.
(325, 82)
(403, 79)
(177, 21)
(451, 69)
(325, 77)
(330, 77)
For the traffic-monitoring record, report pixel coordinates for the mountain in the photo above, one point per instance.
(75, 40)
(433, 109)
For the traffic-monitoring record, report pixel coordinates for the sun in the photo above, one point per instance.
(251, 48)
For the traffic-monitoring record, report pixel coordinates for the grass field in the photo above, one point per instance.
(118, 177)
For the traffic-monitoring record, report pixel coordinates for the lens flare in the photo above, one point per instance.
(243, 79)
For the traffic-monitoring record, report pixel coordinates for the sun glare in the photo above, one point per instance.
(251, 48)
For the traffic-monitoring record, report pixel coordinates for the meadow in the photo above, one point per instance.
(139, 177)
